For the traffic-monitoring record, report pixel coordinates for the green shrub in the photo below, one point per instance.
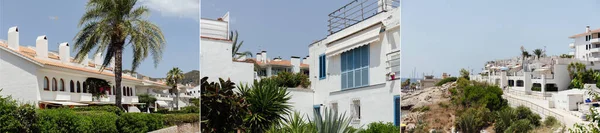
(106, 108)
(446, 80)
(520, 126)
(474, 119)
(536, 88)
(380, 127)
(176, 119)
(291, 80)
(100, 121)
(162, 111)
(139, 122)
(525, 113)
(504, 118)
(62, 120)
(15, 118)
(550, 121)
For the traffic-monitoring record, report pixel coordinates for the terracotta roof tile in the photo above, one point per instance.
(30, 53)
(583, 34)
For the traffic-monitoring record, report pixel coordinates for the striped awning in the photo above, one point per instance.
(355, 40)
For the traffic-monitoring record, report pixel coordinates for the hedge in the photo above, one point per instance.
(101, 121)
(62, 121)
(176, 119)
(107, 108)
(139, 122)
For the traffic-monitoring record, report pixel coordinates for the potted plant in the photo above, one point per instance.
(392, 75)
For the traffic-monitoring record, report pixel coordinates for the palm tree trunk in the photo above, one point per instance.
(118, 75)
(176, 98)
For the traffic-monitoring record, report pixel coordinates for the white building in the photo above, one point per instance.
(586, 45)
(35, 75)
(349, 67)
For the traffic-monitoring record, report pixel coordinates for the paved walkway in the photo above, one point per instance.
(542, 108)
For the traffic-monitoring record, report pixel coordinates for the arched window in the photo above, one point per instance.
(84, 87)
(113, 90)
(123, 92)
(62, 85)
(131, 92)
(54, 88)
(78, 87)
(46, 84)
(72, 86)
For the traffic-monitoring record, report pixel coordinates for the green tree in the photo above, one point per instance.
(464, 73)
(235, 48)
(223, 110)
(109, 25)
(97, 86)
(268, 104)
(147, 99)
(174, 76)
(538, 53)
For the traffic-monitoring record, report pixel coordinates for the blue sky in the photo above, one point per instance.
(444, 36)
(178, 20)
(282, 28)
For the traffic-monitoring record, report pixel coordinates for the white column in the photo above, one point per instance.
(543, 85)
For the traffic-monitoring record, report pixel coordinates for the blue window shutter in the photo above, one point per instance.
(397, 110)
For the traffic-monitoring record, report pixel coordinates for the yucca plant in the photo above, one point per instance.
(331, 122)
(268, 104)
(503, 119)
(295, 124)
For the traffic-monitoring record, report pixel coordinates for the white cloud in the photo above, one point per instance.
(175, 8)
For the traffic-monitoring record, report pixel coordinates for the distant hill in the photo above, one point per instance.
(191, 77)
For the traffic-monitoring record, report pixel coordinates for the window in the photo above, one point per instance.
(46, 87)
(72, 86)
(355, 67)
(511, 83)
(61, 85)
(519, 83)
(123, 92)
(397, 110)
(322, 72)
(78, 87)
(355, 109)
(85, 87)
(54, 88)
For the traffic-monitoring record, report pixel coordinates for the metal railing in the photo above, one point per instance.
(534, 107)
(357, 11)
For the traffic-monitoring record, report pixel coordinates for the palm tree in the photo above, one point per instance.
(108, 25)
(538, 53)
(236, 47)
(175, 76)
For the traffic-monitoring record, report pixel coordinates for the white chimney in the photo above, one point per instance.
(63, 52)
(264, 56)
(258, 57)
(587, 29)
(41, 47)
(85, 61)
(295, 64)
(13, 38)
(98, 59)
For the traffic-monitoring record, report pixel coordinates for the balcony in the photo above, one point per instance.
(163, 97)
(571, 45)
(595, 41)
(130, 99)
(597, 49)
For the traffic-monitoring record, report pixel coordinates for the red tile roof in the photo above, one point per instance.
(583, 34)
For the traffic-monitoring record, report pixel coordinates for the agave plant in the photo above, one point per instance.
(268, 104)
(331, 122)
(295, 124)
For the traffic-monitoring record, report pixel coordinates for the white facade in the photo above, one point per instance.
(375, 101)
(586, 46)
(39, 77)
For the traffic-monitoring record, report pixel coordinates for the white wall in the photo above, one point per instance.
(301, 101)
(215, 59)
(242, 72)
(18, 78)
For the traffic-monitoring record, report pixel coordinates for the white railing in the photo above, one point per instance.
(544, 112)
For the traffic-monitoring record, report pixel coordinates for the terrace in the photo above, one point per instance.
(357, 11)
